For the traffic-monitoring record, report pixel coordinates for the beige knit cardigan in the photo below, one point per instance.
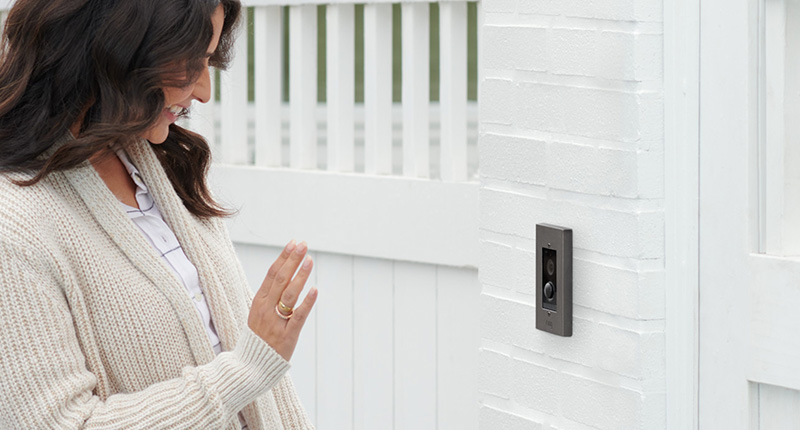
(98, 332)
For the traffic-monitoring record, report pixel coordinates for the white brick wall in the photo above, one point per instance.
(571, 133)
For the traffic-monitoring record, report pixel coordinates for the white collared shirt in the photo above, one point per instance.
(150, 222)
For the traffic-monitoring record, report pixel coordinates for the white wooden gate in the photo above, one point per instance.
(749, 355)
(383, 192)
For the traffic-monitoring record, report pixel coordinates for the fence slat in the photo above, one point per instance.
(341, 86)
(335, 342)
(415, 346)
(233, 92)
(304, 360)
(378, 88)
(372, 344)
(458, 339)
(303, 86)
(453, 90)
(416, 86)
(267, 40)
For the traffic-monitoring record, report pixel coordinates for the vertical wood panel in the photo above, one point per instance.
(416, 89)
(373, 344)
(303, 86)
(458, 294)
(453, 90)
(268, 74)
(341, 86)
(304, 360)
(390, 345)
(772, 170)
(415, 346)
(335, 342)
(234, 105)
(378, 88)
(779, 408)
(256, 260)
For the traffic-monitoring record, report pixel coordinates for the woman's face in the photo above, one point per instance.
(178, 99)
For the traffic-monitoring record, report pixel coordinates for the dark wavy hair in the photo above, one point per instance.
(104, 63)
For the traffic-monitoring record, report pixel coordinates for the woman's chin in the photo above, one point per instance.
(157, 136)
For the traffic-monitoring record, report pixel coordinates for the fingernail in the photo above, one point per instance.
(290, 246)
(313, 292)
(307, 263)
(301, 248)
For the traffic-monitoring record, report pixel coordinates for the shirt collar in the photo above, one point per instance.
(133, 171)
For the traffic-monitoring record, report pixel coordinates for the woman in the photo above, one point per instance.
(122, 302)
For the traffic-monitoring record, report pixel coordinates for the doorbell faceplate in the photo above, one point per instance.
(554, 279)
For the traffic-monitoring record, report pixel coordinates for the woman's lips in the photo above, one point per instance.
(174, 112)
(170, 116)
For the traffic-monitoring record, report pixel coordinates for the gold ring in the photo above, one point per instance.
(285, 317)
(284, 308)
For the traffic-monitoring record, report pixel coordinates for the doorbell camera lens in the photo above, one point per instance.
(551, 267)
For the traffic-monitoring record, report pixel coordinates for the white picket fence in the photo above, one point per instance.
(384, 193)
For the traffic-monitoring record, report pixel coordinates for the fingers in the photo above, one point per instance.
(292, 292)
(301, 312)
(275, 268)
(286, 272)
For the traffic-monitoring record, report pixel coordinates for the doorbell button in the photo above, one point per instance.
(549, 291)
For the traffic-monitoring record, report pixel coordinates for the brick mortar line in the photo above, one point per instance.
(503, 130)
(627, 205)
(533, 20)
(643, 265)
(493, 402)
(644, 386)
(632, 265)
(620, 322)
(649, 87)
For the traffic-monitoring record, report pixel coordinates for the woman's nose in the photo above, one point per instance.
(202, 88)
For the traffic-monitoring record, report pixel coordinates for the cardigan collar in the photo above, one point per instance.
(199, 248)
(108, 213)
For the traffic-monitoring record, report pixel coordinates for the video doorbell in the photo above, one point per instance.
(554, 279)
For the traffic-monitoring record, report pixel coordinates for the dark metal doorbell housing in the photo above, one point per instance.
(554, 279)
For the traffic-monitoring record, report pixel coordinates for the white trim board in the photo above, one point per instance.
(682, 153)
(387, 217)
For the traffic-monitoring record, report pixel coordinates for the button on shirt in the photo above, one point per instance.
(150, 222)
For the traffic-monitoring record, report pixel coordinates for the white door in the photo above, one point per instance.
(749, 326)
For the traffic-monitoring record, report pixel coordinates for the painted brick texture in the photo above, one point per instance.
(571, 133)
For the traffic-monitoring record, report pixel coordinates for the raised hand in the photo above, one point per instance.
(273, 315)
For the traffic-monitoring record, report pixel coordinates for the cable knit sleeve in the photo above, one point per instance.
(291, 410)
(44, 382)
